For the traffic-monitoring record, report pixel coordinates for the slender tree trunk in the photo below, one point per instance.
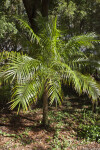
(32, 7)
(45, 108)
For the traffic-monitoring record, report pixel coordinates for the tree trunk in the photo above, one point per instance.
(32, 6)
(45, 108)
(45, 7)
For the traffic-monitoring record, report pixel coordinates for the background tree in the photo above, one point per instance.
(32, 7)
(8, 26)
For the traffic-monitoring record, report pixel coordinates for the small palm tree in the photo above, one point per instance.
(52, 63)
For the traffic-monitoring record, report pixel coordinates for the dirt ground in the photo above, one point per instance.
(25, 132)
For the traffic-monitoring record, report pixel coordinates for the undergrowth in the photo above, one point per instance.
(84, 124)
(72, 127)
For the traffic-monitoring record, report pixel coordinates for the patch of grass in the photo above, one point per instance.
(8, 135)
(89, 128)
(22, 137)
(90, 132)
(59, 143)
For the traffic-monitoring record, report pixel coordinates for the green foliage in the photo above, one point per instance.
(84, 123)
(78, 17)
(9, 135)
(89, 129)
(22, 137)
(6, 27)
(90, 132)
(68, 9)
(48, 67)
(58, 143)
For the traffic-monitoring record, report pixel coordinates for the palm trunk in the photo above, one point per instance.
(45, 108)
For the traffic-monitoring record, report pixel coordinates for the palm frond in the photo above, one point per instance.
(25, 93)
(77, 44)
(50, 37)
(30, 31)
(82, 40)
(20, 66)
(81, 83)
(54, 90)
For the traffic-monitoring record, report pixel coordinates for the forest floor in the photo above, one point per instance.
(25, 132)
